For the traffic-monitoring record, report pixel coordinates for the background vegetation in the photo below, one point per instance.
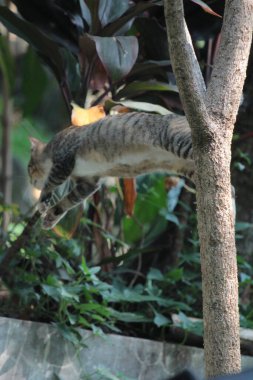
(102, 269)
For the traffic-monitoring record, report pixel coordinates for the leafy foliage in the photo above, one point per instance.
(52, 282)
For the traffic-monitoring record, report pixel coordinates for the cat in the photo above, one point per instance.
(122, 146)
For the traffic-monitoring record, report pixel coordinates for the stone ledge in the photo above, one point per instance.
(36, 351)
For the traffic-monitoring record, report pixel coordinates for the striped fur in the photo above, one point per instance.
(124, 146)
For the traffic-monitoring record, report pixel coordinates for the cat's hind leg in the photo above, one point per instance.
(59, 173)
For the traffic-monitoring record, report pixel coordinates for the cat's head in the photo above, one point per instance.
(38, 166)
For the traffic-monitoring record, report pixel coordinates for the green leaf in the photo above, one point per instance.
(97, 318)
(184, 321)
(147, 221)
(194, 326)
(136, 296)
(138, 88)
(118, 54)
(51, 291)
(6, 63)
(34, 82)
(83, 322)
(241, 226)
(72, 318)
(62, 292)
(129, 317)
(161, 320)
(90, 307)
(245, 279)
(175, 275)
(84, 267)
(155, 274)
(94, 270)
(69, 293)
(52, 281)
(98, 331)
(172, 218)
(72, 335)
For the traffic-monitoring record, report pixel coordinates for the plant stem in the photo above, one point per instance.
(6, 185)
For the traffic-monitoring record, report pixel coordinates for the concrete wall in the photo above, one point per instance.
(36, 351)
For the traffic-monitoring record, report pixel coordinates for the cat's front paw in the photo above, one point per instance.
(52, 217)
(42, 208)
(44, 203)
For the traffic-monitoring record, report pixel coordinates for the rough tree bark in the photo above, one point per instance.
(211, 114)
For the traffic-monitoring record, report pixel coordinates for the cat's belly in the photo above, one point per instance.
(132, 164)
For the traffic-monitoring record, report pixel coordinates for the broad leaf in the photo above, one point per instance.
(70, 334)
(153, 38)
(61, 20)
(149, 69)
(33, 90)
(155, 274)
(140, 106)
(138, 87)
(113, 27)
(172, 218)
(160, 320)
(45, 47)
(118, 54)
(110, 10)
(129, 317)
(85, 12)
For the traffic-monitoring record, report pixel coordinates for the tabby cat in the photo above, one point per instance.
(122, 146)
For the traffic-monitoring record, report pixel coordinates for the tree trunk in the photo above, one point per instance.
(211, 115)
(218, 257)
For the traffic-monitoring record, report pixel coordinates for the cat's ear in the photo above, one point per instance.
(35, 143)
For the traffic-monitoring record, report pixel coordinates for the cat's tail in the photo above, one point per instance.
(176, 136)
